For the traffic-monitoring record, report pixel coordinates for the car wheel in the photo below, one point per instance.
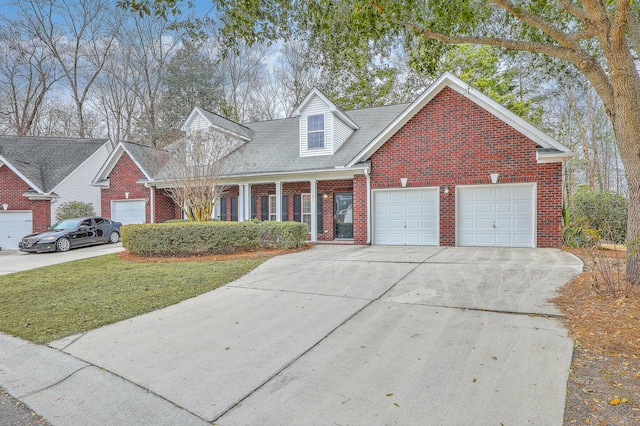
(114, 237)
(63, 244)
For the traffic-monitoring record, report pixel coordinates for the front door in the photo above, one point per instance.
(343, 215)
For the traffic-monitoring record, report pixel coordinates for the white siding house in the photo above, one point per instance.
(75, 187)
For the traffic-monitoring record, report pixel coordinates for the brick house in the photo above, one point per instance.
(39, 174)
(451, 168)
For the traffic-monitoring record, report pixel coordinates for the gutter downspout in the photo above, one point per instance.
(366, 175)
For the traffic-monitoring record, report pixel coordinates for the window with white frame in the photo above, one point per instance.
(315, 131)
(306, 209)
(272, 208)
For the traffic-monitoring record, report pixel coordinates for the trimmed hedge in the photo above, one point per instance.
(199, 238)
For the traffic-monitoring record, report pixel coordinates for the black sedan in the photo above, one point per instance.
(72, 233)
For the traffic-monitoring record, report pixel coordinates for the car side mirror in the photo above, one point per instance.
(83, 227)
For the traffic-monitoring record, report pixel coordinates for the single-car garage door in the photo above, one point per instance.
(500, 215)
(128, 211)
(406, 216)
(13, 226)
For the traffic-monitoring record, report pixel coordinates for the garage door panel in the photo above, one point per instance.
(13, 226)
(413, 214)
(483, 207)
(523, 207)
(504, 239)
(504, 208)
(496, 215)
(413, 210)
(523, 192)
(523, 240)
(128, 211)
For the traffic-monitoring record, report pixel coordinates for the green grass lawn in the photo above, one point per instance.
(49, 303)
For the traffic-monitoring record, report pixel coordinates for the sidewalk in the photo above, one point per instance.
(67, 391)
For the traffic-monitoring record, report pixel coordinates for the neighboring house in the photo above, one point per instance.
(128, 190)
(452, 168)
(38, 174)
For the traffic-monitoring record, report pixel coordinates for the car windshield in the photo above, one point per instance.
(66, 224)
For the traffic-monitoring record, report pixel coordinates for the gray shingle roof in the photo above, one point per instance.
(276, 144)
(150, 159)
(47, 161)
(232, 126)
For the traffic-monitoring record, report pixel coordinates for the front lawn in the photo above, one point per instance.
(49, 303)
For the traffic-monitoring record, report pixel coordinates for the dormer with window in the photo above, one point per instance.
(323, 126)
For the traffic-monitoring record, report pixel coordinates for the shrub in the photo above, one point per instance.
(73, 209)
(282, 234)
(214, 237)
(603, 211)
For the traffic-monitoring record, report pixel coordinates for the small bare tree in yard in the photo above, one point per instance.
(197, 169)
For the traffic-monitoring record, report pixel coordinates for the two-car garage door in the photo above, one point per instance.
(500, 215)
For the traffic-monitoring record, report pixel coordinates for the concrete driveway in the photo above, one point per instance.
(16, 261)
(354, 335)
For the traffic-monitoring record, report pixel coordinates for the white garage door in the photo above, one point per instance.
(496, 215)
(128, 211)
(13, 226)
(406, 217)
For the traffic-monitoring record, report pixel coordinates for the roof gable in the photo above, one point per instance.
(330, 106)
(44, 162)
(147, 159)
(218, 122)
(474, 95)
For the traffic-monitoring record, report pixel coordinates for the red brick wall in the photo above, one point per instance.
(123, 179)
(164, 207)
(11, 190)
(360, 209)
(452, 141)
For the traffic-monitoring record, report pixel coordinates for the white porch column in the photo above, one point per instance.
(278, 201)
(241, 203)
(152, 204)
(247, 201)
(314, 210)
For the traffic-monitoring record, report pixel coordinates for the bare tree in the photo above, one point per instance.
(27, 74)
(296, 75)
(152, 43)
(116, 94)
(197, 168)
(241, 72)
(79, 34)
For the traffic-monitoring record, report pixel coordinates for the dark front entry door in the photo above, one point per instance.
(343, 215)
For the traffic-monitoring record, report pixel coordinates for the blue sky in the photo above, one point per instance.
(200, 8)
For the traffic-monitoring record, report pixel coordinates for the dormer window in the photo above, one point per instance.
(315, 131)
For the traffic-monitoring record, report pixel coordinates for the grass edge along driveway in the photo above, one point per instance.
(46, 304)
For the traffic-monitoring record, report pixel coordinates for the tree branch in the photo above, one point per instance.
(535, 21)
(573, 9)
(580, 58)
(634, 29)
(620, 18)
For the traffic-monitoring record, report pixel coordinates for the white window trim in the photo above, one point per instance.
(272, 208)
(303, 214)
(309, 132)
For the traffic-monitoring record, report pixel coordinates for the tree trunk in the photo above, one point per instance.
(626, 126)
